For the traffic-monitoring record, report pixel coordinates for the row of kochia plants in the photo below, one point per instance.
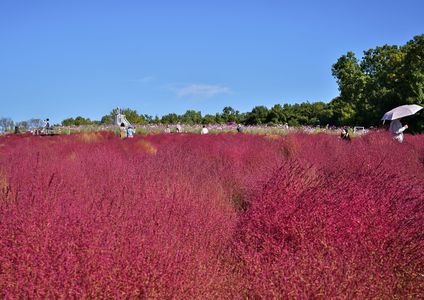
(223, 216)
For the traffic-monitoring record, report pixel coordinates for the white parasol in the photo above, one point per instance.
(401, 111)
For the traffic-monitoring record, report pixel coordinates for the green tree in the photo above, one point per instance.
(382, 68)
(170, 119)
(322, 112)
(107, 120)
(219, 119)
(209, 119)
(257, 116)
(68, 122)
(351, 81)
(191, 117)
(82, 121)
(229, 114)
(277, 115)
(133, 117)
(386, 77)
(6, 124)
(23, 125)
(156, 120)
(411, 86)
(77, 121)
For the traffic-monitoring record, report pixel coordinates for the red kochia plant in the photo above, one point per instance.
(338, 220)
(213, 216)
(96, 216)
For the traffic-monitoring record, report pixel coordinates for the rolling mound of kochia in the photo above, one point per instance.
(225, 216)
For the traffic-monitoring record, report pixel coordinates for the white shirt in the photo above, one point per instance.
(204, 130)
(396, 129)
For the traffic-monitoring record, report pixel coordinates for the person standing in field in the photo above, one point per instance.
(345, 135)
(46, 127)
(204, 130)
(396, 129)
(130, 132)
(178, 129)
(122, 131)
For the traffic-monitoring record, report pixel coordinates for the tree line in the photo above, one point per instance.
(7, 124)
(292, 114)
(385, 77)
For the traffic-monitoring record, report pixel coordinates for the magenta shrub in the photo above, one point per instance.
(211, 217)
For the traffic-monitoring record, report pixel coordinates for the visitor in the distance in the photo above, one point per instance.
(204, 130)
(130, 132)
(396, 129)
(345, 135)
(122, 131)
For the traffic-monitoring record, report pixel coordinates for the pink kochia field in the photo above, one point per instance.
(223, 216)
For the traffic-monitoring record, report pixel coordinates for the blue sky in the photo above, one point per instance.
(62, 59)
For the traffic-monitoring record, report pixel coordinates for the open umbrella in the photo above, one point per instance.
(401, 111)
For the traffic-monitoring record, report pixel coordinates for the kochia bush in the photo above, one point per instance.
(213, 216)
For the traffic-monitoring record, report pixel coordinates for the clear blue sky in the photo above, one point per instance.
(62, 59)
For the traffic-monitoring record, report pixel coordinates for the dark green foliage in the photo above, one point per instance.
(68, 122)
(170, 119)
(191, 117)
(229, 114)
(209, 119)
(386, 77)
(77, 121)
(257, 116)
